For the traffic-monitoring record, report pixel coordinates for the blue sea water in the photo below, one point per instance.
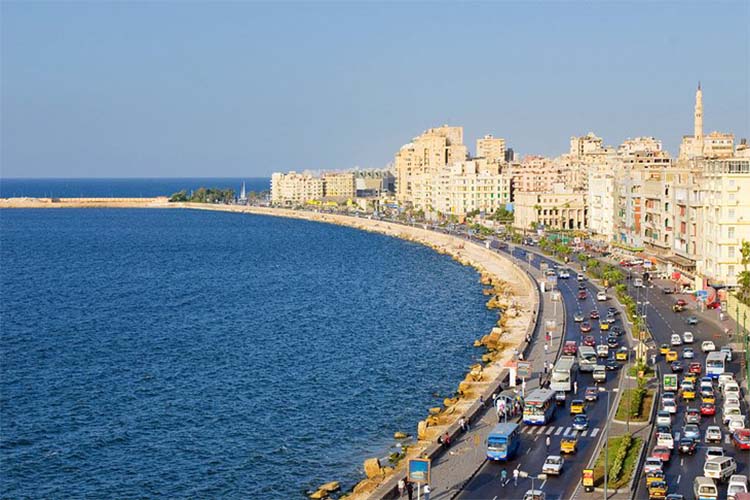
(174, 353)
(122, 188)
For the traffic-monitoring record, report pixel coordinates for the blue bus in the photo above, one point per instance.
(538, 407)
(503, 441)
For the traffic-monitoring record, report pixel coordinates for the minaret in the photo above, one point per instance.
(698, 133)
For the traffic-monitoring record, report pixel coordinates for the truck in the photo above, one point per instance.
(562, 374)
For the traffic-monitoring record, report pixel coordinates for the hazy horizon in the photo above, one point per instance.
(138, 90)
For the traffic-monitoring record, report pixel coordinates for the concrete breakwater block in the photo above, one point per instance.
(372, 468)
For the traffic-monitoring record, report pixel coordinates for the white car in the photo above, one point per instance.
(665, 439)
(688, 338)
(553, 465)
(730, 402)
(670, 406)
(730, 411)
(602, 351)
(731, 389)
(736, 423)
(675, 340)
(713, 434)
(564, 274)
(737, 484)
(664, 418)
(708, 346)
(601, 296)
(580, 277)
(652, 464)
(714, 451)
(724, 378)
(728, 351)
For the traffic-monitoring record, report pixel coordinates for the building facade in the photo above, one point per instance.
(560, 209)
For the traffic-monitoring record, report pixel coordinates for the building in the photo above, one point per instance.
(338, 185)
(601, 203)
(692, 145)
(640, 145)
(294, 189)
(426, 154)
(586, 145)
(373, 183)
(718, 145)
(561, 209)
(491, 148)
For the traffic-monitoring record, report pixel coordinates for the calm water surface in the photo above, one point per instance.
(172, 353)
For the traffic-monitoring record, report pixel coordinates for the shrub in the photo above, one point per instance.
(616, 469)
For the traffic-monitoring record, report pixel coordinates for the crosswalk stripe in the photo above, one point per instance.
(550, 430)
(595, 432)
(538, 430)
(567, 431)
(583, 434)
(559, 430)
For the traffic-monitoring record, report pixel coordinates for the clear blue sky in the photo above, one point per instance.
(227, 89)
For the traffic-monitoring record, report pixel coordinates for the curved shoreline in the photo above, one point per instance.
(511, 290)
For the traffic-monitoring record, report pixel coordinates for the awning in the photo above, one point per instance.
(681, 261)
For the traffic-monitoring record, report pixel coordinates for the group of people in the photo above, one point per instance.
(406, 486)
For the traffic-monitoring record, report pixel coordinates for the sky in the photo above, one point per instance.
(180, 89)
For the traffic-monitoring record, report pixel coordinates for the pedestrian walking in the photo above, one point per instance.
(462, 423)
(547, 442)
(515, 477)
(481, 401)
(575, 387)
(520, 356)
(410, 490)
(426, 491)
(546, 348)
(401, 487)
(503, 477)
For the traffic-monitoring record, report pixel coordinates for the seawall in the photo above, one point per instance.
(158, 202)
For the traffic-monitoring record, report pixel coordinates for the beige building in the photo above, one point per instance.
(491, 148)
(426, 154)
(601, 203)
(338, 185)
(640, 145)
(585, 145)
(556, 210)
(692, 145)
(718, 145)
(293, 189)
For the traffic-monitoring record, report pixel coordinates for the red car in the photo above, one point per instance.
(570, 347)
(625, 263)
(714, 305)
(695, 368)
(582, 295)
(741, 439)
(589, 341)
(662, 452)
(594, 314)
(681, 302)
(708, 409)
(585, 327)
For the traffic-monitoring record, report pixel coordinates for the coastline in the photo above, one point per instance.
(511, 291)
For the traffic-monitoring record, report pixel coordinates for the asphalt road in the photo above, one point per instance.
(532, 452)
(682, 469)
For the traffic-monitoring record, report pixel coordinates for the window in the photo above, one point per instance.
(730, 213)
(730, 232)
(730, 251)
(730, 271)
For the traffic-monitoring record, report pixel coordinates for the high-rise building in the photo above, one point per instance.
(491, 148)
(293, 189)
(338, 185)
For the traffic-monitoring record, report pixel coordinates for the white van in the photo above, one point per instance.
(737, 484)
(705, 489)
(720, 468)
(724, 378)
(731, 389)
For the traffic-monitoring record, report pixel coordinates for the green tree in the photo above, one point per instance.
(179, 196)
(743, 294)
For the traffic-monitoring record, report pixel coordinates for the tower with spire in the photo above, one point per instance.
(692, 145)
(698, 132)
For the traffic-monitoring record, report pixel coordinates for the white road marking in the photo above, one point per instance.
(682, 461)
(567, 431)
(559, 430)
(541, 487)
(550, 430)
(583, 434)
(528, 451)
(595, 432)
(679, 478)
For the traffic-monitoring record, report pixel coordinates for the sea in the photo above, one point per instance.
(177, 353)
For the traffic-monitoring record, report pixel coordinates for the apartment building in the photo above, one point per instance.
(560, 209)
(601, 202)
(338, 185)
(292, 188)
(491, 148)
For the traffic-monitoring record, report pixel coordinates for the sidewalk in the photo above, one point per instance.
(467, 453)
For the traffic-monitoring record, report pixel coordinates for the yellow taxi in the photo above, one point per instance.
(671, 356)
(708, 397)
(690, 377)
(657, 490)
(664, 349)
(603, 326)
(688, 391)
(577, 407)
(568, 445)
(654, 476)
(622, 354)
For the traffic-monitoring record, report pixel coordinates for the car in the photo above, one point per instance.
(675, 340)
(691, 320)
(688, 390)
(591, 394)
(728, 351)
(708, 409)
(570, 347)
(708, 397)
(580, 422)
(664, 349)
(616, 331)
(589, 340)
(564, 274)
(553, 465)
(661, 452)
(612, 341)
(737, 484)
(688, 338)
(665, 439)
(578, 317)
(663, 428)
(600, 373)
(678, 308)
(622, 354)
(549, 272)
(612, 310)
(654, 476)
(713, 434)
(601, 296)
(560, 398)
(707, 383)
(667, 290)
(675, 496)
(602, 351)
(594, 314)
(687, 446)
(580, 277)
(692, 431)
(692, 416)
(581, 286)
(603, 326)
(663, 418)
(568, 445)
(681, 302)
(735, 424)
(669, 406)
(730, 411)
(577, 407)
(713, 305)
(652, 464)
(677, 366)
(611, 365)
(610, 319)
(582, 295)
(669, 396)
(708, 346)
(624, 263)
(671, 356)
(714, 451)
(695, 368)
(730, 401)
(741, 439)
(688, 353)
(657, 490)
(585, 327)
